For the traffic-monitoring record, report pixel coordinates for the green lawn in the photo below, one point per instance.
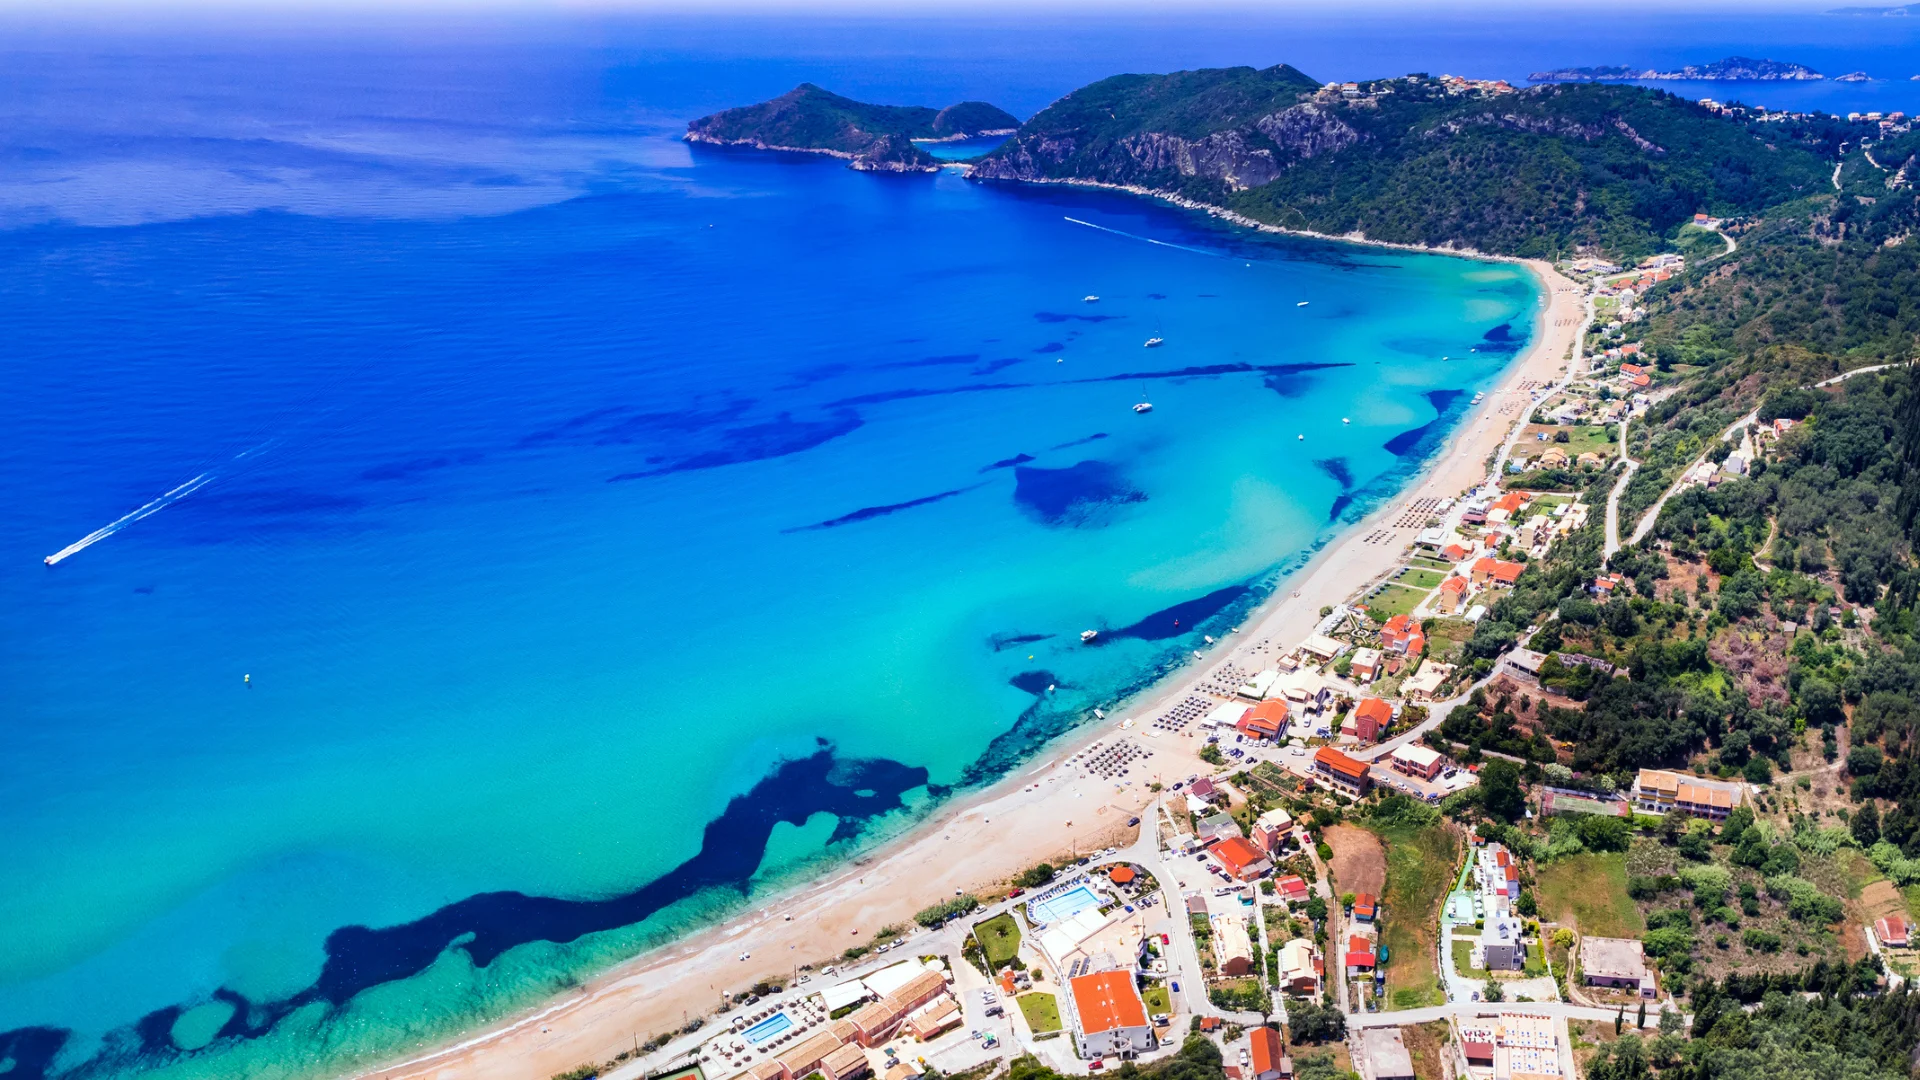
(1536, 961)
(1430, 564)
(1159, 1002)
(1463, 960)
(1589, 891)
(1394, 600)
(999, 938)
(1419, 873)
(1588, 437)
(1421, 578)
(1041, 1010)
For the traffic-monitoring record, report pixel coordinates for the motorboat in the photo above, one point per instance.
(1088, 635)
(1090, 298)
(1154, 342)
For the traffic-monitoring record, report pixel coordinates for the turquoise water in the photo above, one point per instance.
(1064, 906)
(768, 1028)
(553, 564)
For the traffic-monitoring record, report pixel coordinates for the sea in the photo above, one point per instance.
(490, 537)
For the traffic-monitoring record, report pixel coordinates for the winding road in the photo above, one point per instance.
(1652, 515)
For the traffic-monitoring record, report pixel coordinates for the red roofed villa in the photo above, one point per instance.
(1241, 859)
(1371, 717)
(1402, 635)
(1340, 772)
(1267, 720)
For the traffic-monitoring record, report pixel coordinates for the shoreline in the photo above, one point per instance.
(1045, 805)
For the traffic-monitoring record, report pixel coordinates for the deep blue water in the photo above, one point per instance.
(527, 458)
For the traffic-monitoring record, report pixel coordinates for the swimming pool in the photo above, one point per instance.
(766, 1029)
(1063, 906)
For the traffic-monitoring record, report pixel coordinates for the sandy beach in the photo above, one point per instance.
(1046, 808)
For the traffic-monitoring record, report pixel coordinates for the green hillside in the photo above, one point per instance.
(810, 118)
(1530, 172)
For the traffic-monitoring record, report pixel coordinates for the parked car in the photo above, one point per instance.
(1132, 822)
(1016, 892)
(1176, 987)
(1165, 940)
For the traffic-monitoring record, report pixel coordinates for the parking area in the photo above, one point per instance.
(1451, 779)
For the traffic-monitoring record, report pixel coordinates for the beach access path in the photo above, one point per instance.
(1034, 814)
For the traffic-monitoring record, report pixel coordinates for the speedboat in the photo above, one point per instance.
(1088, 635)
(1302, 303)
(1154, 342)
(1091, 299)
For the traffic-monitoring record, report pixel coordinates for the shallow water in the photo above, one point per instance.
(591, 526)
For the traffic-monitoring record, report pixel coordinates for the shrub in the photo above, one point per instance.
(1034, 876)
(946, 909)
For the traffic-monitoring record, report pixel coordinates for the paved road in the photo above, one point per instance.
(1652, 515)
(1619, 488)
(1469, 1009)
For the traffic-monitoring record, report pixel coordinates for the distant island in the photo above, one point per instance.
(1732, 69)
(1903, 9)
(875, 138)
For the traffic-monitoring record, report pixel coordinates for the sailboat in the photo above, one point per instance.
(1144, 406)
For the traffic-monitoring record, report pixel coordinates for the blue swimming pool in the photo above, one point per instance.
(1063, 906)
(776, 1024)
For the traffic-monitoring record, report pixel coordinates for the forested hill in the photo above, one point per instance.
(1534, 172)
(874, 136)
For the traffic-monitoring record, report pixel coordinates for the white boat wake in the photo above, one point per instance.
(1145, 239)
(116, 525)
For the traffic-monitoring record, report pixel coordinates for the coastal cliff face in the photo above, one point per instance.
(873, 138)
(1412, 160)
(1241, 158)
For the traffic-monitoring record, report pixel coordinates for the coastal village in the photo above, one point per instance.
(1272, 898)
(1353, 839)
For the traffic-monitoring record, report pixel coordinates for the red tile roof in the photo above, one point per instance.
(1336, 761)
(1363, 904)
(1265, 1046)
(1106, 1001)
(1236, 853)
(1454, 585)
(1375, 709)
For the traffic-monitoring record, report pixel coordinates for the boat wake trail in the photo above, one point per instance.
(116, 525)
(1145, 239)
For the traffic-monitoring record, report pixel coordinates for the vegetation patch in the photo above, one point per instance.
(1589, 891)
(1000, 938)
(1041, 1010)
(1419, 872)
